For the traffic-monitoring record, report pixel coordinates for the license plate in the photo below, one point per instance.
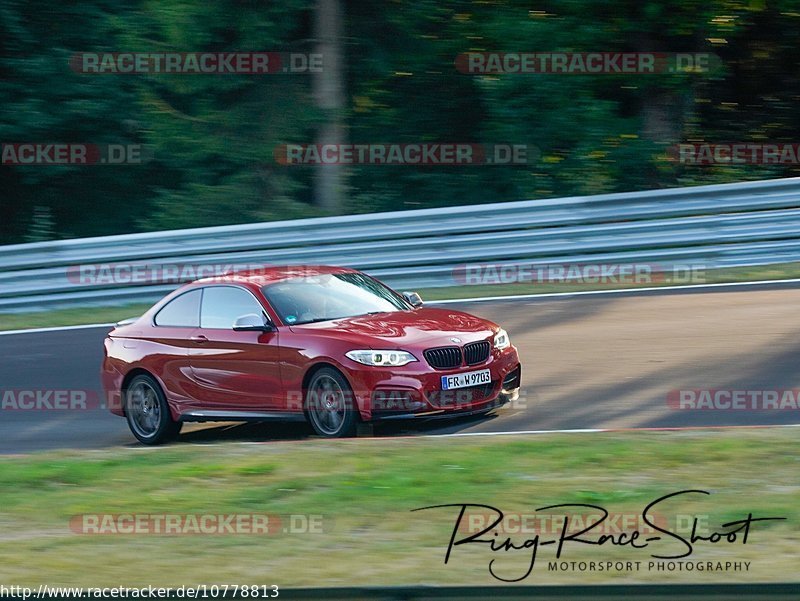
(470, 378)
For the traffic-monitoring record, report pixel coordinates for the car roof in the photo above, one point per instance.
(274, 273)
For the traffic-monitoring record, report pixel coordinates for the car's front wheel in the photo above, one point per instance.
(148, 413)
(330, 404)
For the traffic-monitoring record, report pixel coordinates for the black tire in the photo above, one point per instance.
(330, 405)
(147, 411)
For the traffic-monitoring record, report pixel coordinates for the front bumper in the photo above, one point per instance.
(414, 391)
(475, 409)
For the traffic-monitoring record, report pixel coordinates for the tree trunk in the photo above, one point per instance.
(328, 87)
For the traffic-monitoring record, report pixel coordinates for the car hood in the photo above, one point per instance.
(425, 326)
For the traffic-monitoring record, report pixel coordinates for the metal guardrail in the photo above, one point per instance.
(728, 225)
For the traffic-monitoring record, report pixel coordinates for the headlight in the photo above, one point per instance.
(501, 340)
(381, 358)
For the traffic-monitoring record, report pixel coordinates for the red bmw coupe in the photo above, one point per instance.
(329, 345)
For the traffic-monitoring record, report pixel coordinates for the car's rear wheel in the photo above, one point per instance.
(330, 404)
(147, 411)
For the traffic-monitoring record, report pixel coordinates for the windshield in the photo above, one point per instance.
(331, 296)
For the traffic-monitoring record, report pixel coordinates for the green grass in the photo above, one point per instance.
(111, 314)
(70, 317)
(738, 274)
(365, 491)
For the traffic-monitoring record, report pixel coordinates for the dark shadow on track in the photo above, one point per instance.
(217, 432)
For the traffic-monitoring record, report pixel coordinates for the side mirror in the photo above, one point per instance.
(252, 323)
(414, 299)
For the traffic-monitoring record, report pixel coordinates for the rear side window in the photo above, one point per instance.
(223, 305)
(181, 312)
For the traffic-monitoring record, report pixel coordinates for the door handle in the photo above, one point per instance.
(200, 339)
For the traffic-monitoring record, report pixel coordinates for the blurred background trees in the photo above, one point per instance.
(212, 137)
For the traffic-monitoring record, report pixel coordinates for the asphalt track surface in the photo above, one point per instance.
(600, 361)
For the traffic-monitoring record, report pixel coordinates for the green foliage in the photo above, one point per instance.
(211, 138)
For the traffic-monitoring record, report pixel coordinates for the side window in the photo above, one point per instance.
(181, 312)
(222, 305)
